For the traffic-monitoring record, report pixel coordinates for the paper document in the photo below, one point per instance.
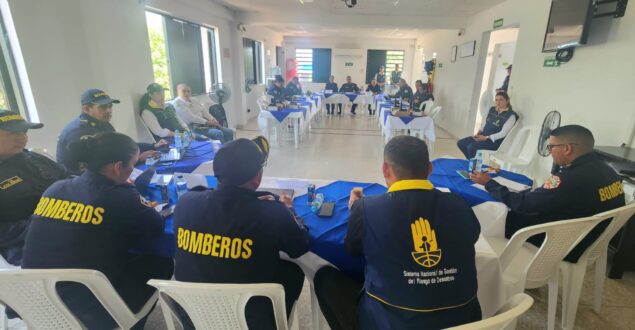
(135, 174)
(161, 179)
(443, 189)
(479, 186)
(511, 185)
(292, 184)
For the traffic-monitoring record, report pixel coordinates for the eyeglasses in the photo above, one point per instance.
(550, 146)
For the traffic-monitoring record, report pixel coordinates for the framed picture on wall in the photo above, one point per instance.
(453, 54)
(468, 48)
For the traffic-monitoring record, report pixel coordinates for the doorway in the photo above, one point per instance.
(500, 55)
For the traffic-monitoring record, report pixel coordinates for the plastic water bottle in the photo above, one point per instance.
(181, 186)
(317, 203)
(479, 162)
(178, 142)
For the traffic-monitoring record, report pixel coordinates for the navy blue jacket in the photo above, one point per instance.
(83, 125)
(586, 187)
(404, 93)
(349, 88)
(89, 222)
(331, 86)
(375, 89)
(494, 121)
(293, 89)
(419, 98)
(278, 94)
(228, 235)
(418, 243)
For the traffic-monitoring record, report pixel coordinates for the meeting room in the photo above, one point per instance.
(317, 164)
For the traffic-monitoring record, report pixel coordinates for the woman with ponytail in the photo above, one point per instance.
(92, 222)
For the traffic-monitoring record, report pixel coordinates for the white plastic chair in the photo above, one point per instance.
(219, 306)
(527, 267)
(487, 102)
(573, 273)
(513, 308)
(505, 146)
(4, 321)
(522, 152)
(426, 107)
(31, 293)
(434, 114)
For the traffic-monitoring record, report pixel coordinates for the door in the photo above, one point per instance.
(376, 58)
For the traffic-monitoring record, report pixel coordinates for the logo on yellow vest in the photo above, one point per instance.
(426, 251)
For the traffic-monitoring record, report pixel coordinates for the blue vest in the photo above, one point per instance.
(419, 249)
(495, 121)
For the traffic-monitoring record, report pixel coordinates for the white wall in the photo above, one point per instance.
(592, 90)
(358, 71)
(72, 45)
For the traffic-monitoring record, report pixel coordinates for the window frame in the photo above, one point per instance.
(213, 75)
(258, 61)
(10, 82)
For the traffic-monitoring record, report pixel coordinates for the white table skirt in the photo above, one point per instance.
(423, 124)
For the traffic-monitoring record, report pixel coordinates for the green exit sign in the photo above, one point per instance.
(348, 64)
(498, 23)
(550, 63)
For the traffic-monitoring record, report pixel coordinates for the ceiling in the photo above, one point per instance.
(390, 18)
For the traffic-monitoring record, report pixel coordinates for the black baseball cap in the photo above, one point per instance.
(96, 96)
(13, 122)
(154, 87)
(509, 67)
(240, 160)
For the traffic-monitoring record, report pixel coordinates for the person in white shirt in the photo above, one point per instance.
(197, 117)
(159, 117)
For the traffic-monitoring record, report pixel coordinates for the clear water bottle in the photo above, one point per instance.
(479, 161)
(216, 145)
(317, 203)
(178, 143)
(181, 186)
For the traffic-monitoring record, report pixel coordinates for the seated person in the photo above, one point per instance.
(500, 120)
(580, 185)
(234, 234)
(505, 85)
(95, 118)
(91, 222)
(294, 87)
(418, 83)
(405, 91)
(410, 230)
(24, 176)
(381, 78)
(277, 92)
(421, 96)
(198, 118)
(332, 86)
(376, 90)
(350, 87)
(159, 116)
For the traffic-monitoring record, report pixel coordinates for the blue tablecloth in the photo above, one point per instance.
(165, 245)
(198, 153)
(444, 175)
(280, 115)
(327, 233)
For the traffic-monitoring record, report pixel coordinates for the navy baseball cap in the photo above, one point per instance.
(154, 87)
(13, 122)
(96, 96)
(240, 160)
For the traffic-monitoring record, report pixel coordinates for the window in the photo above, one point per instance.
(252, 56)
(10, 92)
(385, 58)
(182, 52)
(393, 57)
(313, 64)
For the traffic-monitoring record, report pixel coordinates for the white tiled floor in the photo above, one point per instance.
(350, 148)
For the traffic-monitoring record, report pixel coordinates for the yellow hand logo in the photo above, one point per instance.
(426, 252)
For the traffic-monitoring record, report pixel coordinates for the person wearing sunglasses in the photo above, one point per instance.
(234, 234)
(580, 185)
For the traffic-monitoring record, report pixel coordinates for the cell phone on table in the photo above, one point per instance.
(326, 210)
(463, 174)
(167, 211)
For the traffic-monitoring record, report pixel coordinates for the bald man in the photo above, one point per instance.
(197, 118)
(580, 185)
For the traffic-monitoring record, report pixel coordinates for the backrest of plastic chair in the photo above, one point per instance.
(529, 149)
(507, 143)
(561, 237)
(4, 264)
(31, 293)
(487, 101)
(426, 107)
(221, 306)
(515, 306)
(619, 218)
(435, 113)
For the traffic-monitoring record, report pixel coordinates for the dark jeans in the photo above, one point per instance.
(131, 287)
(259, 310)
(353, 107)
(337, 295)
(216, 133)
(469, 146)
(370, 109)
(12, 236)
(330, 109)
